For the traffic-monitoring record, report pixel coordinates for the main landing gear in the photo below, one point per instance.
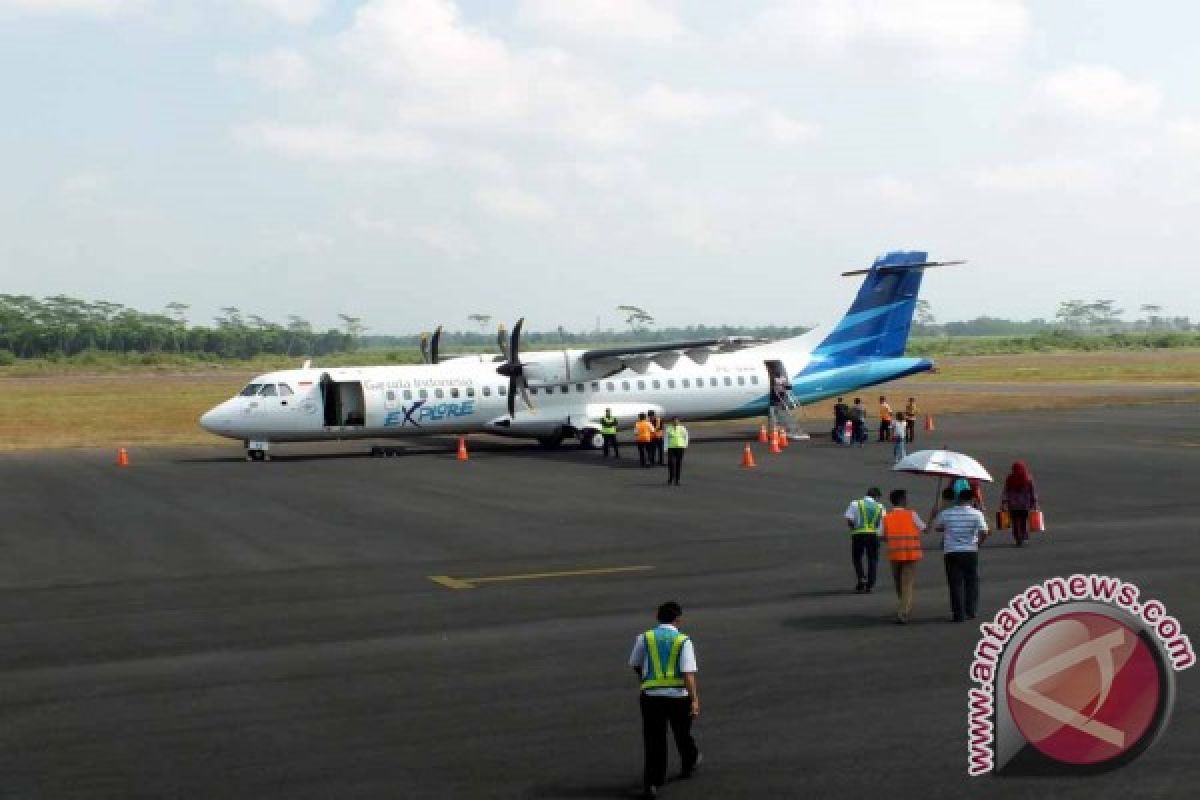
(258, 451)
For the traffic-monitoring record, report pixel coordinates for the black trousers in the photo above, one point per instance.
(674, 464)
(610, 440)
(1020, 525)
(657, 449)
(645, 457)
(962, 577)
(910, 430)
(657, 713)
(885, 431)
(865, 545)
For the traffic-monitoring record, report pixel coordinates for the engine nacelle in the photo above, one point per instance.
(560, 367)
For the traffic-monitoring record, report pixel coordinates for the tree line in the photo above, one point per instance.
(67, 326)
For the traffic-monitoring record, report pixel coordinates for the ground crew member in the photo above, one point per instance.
(863, 518)
(901, 530)
(910, 414)
(885, 419)
(643, 434)
(608, 429)
(657, 449)
(858, 421)
(677, 442)
(665, 663)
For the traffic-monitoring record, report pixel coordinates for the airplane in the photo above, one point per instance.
(710, 379)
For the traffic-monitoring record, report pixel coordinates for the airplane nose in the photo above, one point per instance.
(215, 420)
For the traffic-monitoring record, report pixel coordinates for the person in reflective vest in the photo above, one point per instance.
(901, 531)
(643, 434)
(608, 429)
(863, 518)
(677, 442)
(656, 446)
(664, 661)
(885, 419)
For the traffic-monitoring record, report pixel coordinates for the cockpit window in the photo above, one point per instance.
(250, 390)
(285, 390)
(268, 390)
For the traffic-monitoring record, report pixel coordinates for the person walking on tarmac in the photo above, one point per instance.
(901, 529)
(910, 416)
(858, 421)
(608, 429)
(656, 450)
(643, 434)
(885, 419)
(665, 663)
(863, 517)
(965, 528)
(677, 442)
(841, 414)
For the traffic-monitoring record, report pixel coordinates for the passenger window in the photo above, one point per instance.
(612, 387)
(250, 390)
(671, 383)
(579, 387)
(741, 380)
(487, 391)
(408, 394)
(268, 390)
(625, 385)
(285, 390)
(754, 379)
(657, 384)
(712, 381)
(454, 392)
(439, 394)
(424, 394)
(390, 394)
(564, 389)
(595, 386)
(502, 390)
(687, 384)
(470, 391)
(641, 384)
(728, 381)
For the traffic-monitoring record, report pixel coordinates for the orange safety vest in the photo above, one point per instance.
(643, 431)
(885, 412)
(902, 535)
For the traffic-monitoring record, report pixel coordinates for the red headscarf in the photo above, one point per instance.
(1019, 478)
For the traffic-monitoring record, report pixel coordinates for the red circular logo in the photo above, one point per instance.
(1084, 688)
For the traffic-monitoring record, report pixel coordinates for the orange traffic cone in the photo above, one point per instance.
(762, 435)
(775, 445)
(784, 444)
(462, 449)
(929, 422)
(122, 457)
(748, 458)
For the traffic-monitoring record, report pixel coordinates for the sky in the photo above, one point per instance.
(411, 162)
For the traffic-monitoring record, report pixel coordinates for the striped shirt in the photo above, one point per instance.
(963, 527)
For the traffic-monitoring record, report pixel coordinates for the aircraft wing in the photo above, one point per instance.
(665, 354)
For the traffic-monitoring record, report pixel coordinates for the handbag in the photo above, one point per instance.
(1037, 522)
(1003, 520)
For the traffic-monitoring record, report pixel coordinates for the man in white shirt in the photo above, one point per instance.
(665, 663)
(965, 528)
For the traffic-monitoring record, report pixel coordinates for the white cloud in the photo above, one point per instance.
(98, 7)
(295, 12)
(336, 143)
(511, 202)
(1185, 134)
(281, 68)
(669, 106)
(643, 21)
(85, 185)
(365, 222)
(952, 37)
(888, 190)
(450, 240)
(1051, 175)
(1096, 93)
(780, 128)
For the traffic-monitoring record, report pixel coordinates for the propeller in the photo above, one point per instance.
(429, 346)
(512, 368)
(902, 267)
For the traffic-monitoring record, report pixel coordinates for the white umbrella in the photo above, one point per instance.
(943, 464)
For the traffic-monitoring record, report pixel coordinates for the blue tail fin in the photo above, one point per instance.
(877, 324)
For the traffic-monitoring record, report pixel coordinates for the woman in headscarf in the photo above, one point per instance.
(1020, 497)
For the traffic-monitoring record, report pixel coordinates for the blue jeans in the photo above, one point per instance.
(898, 448)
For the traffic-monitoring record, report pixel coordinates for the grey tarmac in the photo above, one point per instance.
(198, 626)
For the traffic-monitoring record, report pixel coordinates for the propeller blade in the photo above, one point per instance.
(525, 395)
(514, 354)
(433, 345)
(502, 340)
(512, 396)
(424, 348)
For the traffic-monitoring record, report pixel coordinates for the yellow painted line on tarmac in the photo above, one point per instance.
(1164, 443)
(471, 583)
